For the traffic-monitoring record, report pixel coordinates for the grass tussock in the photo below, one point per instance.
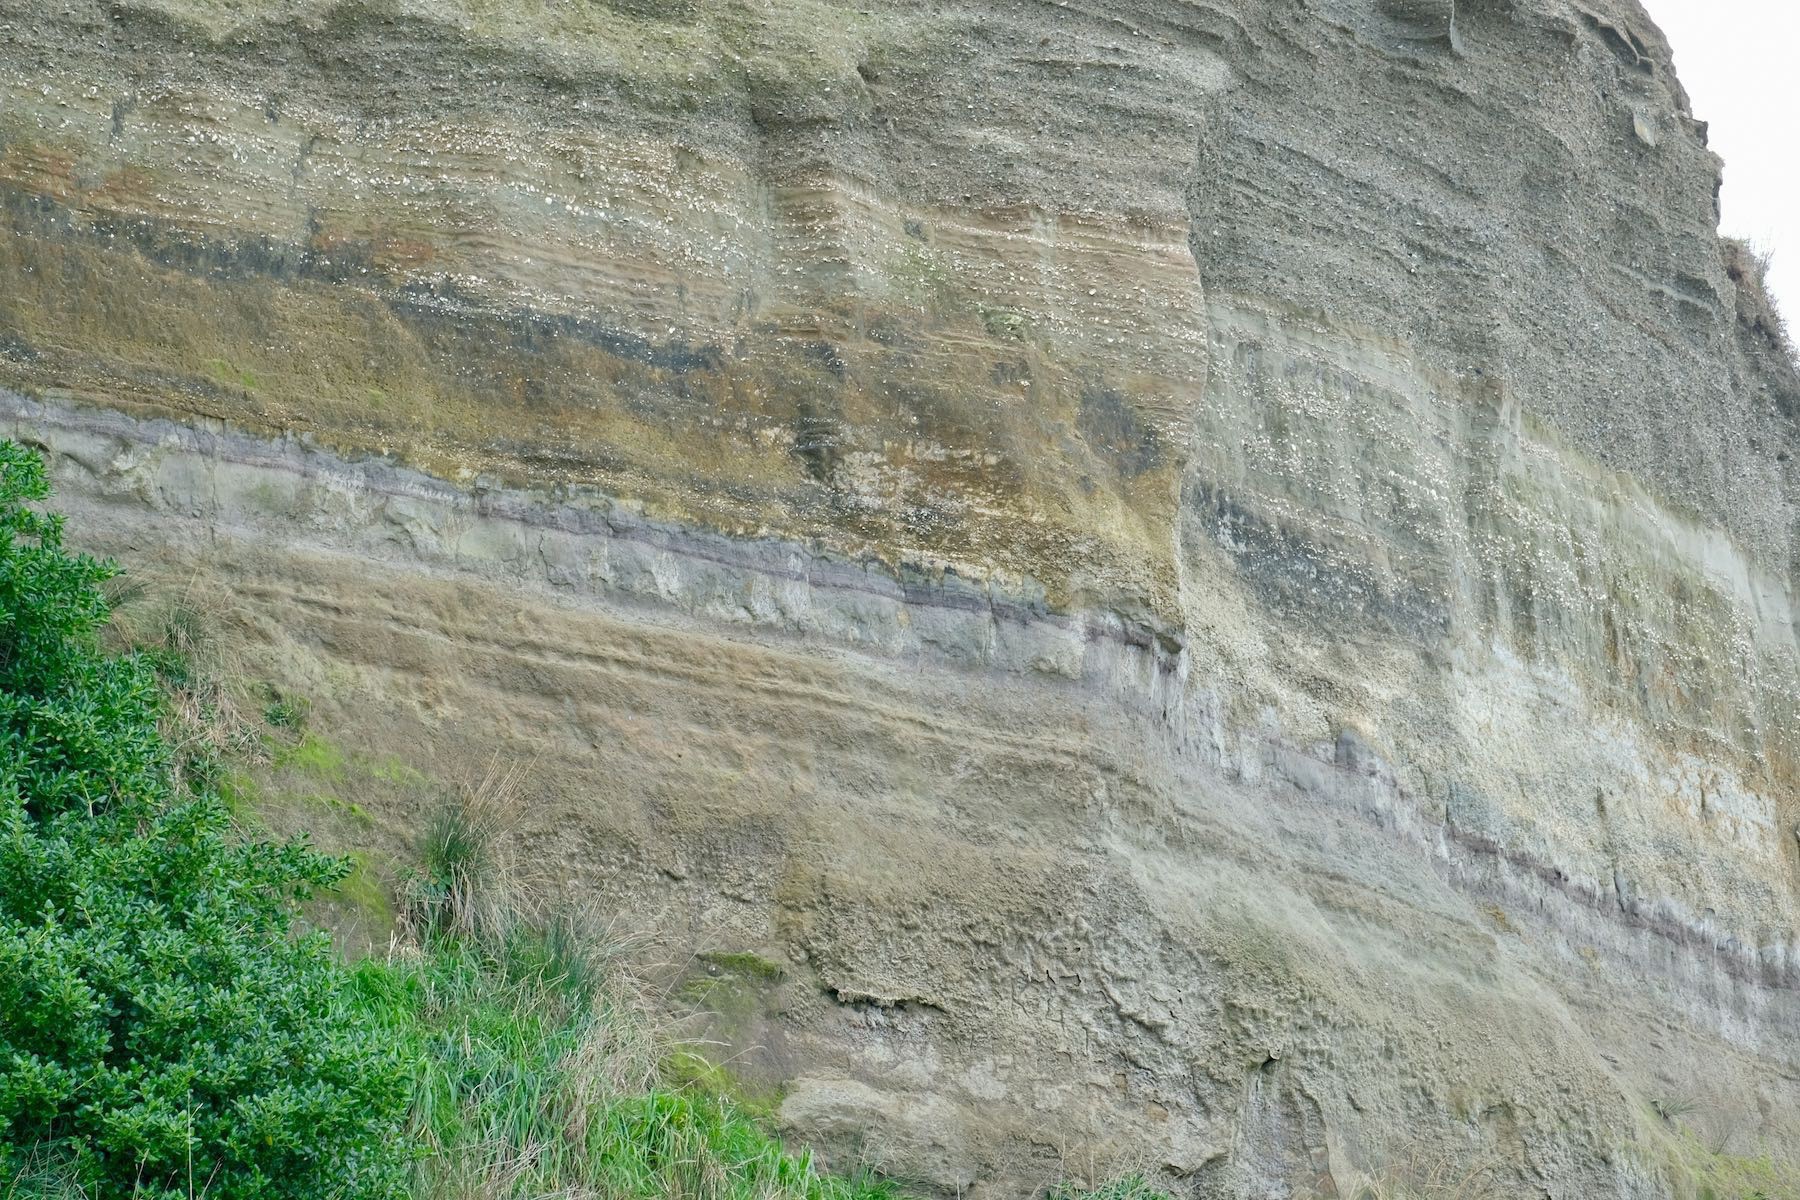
(44, 1176)
(471, 885)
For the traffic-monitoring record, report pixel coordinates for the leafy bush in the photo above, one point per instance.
(162, 1030)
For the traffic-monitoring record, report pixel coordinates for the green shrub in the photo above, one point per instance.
(163, 1032)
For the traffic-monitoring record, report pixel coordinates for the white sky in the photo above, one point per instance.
(1737, 59)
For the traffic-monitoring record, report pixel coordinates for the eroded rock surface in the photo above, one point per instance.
(1212, 584)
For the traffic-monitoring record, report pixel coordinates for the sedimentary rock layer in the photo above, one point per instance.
(1214, 581)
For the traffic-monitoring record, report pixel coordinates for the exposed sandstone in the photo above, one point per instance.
(1216, 580)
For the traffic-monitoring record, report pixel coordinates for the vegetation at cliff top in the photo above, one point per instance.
(169, 1029)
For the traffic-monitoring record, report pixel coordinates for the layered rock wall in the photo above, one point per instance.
(1214, 581)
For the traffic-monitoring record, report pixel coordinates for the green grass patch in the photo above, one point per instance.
(286, 713)
(743, 962)
(240, 793)
(362, 889)
(693, 1072)
(1128, 1187)
(535, 1075)
(392, 770)
(224, 372)
(313, 755)
(1710, 1165)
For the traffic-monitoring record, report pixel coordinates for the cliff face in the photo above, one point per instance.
(1215, 581)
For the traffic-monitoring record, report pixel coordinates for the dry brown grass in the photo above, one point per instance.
(1748, 268)
(1421, 1178)
(196, 635)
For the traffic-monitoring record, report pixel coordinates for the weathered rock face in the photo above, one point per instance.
(1214, 580)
